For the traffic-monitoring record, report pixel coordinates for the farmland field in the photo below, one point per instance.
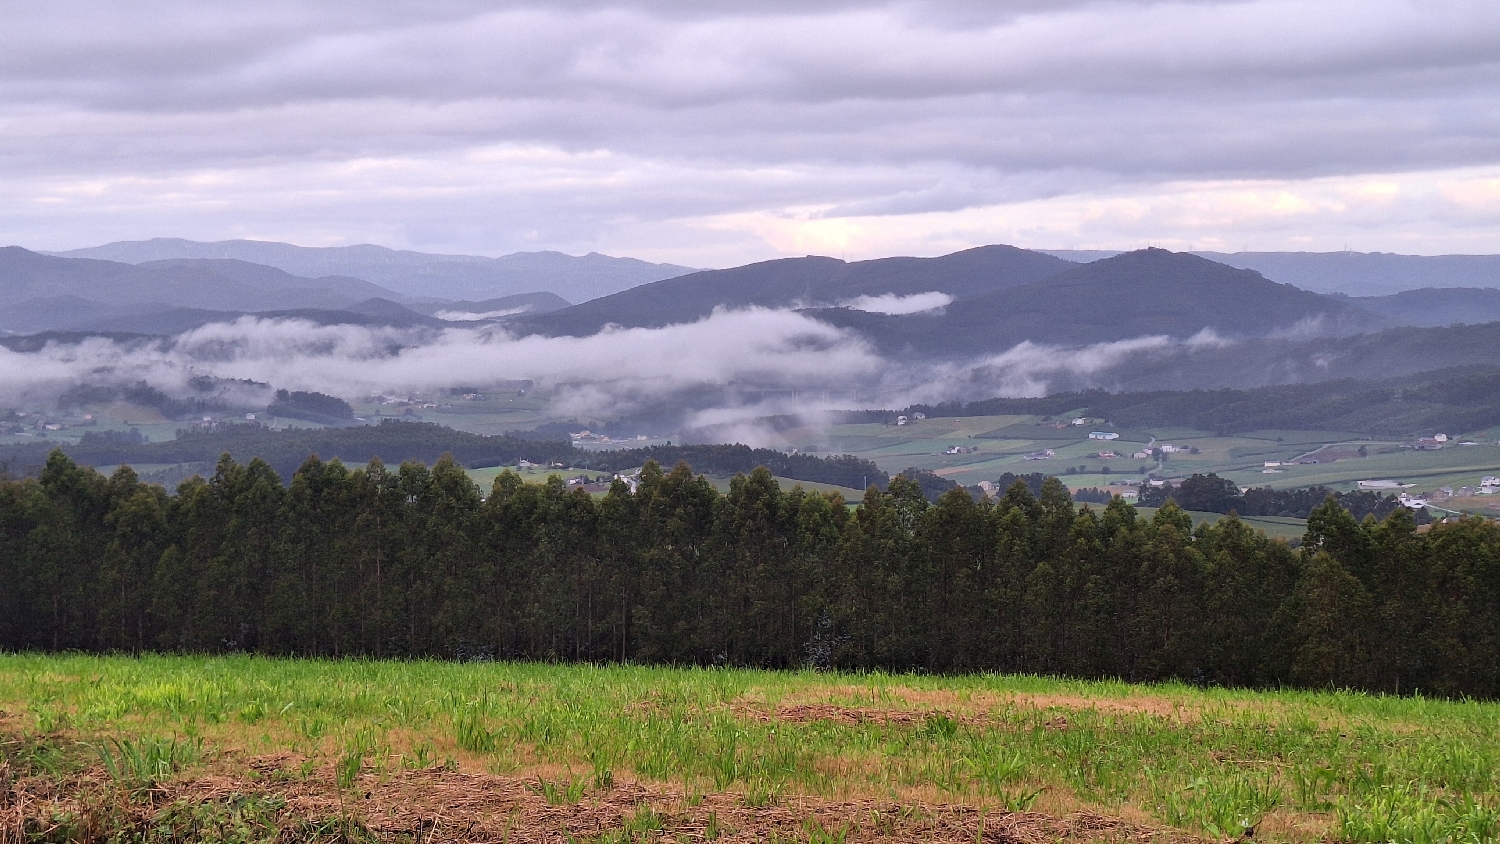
(1003, 443)
(485, 477)
(241, 748)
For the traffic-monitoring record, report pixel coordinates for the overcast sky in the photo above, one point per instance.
(715, 133)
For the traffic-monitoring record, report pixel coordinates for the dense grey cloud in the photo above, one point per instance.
(711, 133)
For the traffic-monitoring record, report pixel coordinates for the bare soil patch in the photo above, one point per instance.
(445, 805)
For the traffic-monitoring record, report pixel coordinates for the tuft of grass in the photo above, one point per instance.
(562, 792)
(472, 735)
(645, 824)
(142, 763)
(818, 834)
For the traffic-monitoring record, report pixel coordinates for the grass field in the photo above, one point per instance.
(1279, 526)
(508, 752)
(1004, 441)
(486, 480)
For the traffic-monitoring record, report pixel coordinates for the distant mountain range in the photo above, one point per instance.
(974, 302)
(40, 292)
(411, 274)
(1352, 273)
(999, 296)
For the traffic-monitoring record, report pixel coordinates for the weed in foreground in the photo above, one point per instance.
(818, 834)
(562, 792)
(645, 824)
(1442, 820)
(137, 764)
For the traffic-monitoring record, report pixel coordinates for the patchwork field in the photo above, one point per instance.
(246, 749)
(486, 479)
(1003, 443)
(983, 447)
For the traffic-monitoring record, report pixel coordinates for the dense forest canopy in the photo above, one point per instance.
(414, 561)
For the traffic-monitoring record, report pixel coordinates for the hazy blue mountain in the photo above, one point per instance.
(40, 292)
(271, 278)
(170, 321)
(165, 321)
(1368, 273)
(1354, 273)
(414, 274)
(1435, 306)
(803, 282)
(54, 313)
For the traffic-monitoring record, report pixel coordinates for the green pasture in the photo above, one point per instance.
(1003, 442)
(851, 495)
(1219, 763)
(1278, 526)
(486, 479)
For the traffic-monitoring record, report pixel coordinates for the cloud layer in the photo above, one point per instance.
(714, 133)
(730, 366)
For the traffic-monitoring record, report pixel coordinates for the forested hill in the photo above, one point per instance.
(1452, 400)
(396, 442)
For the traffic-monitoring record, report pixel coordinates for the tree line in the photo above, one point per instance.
(415, 562)
(397, 442)
(1212, 494)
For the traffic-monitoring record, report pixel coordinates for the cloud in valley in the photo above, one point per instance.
(727, 369)
(894, 304)
(714, 133)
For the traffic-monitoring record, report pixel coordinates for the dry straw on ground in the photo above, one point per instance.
(444, 805)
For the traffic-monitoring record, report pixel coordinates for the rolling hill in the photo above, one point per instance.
(1148, 292)
(802, 282)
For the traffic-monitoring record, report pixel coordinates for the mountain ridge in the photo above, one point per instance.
(801, 282)
(1351, 273)
(411, 273)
